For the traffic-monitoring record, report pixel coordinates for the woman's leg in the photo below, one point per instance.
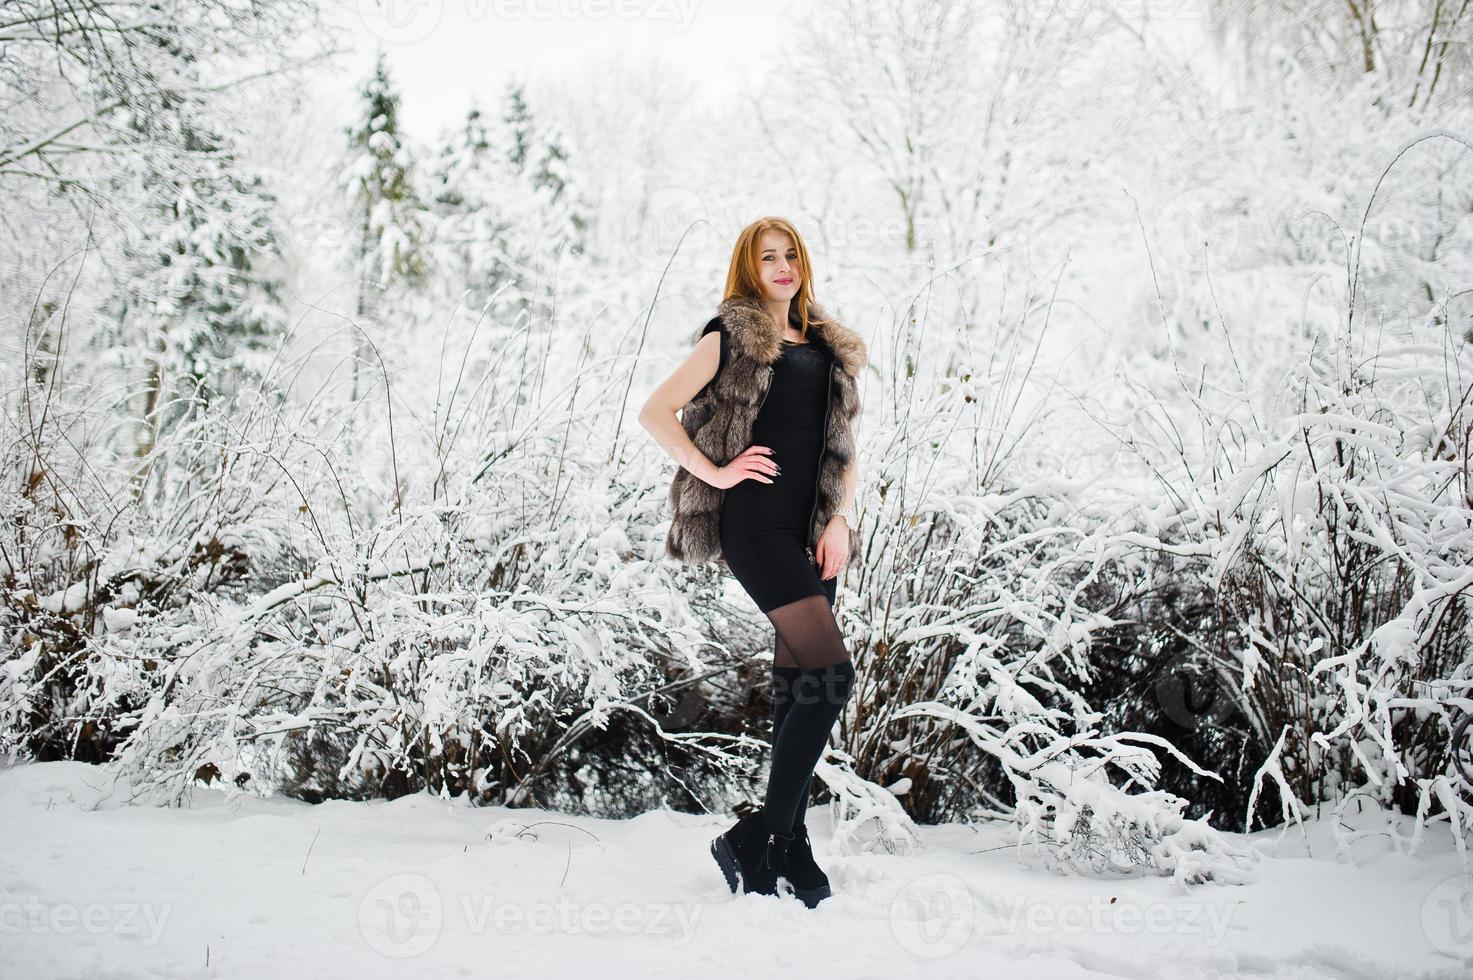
(783, 679)
(825, 680)
(785, 673)
(782, 656)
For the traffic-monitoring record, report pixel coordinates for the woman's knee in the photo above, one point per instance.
(831, 685)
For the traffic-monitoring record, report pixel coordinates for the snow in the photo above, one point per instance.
(239, 885)
(1243, 425)
(119, 620)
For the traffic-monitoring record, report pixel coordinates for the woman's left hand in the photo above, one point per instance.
(832, 553)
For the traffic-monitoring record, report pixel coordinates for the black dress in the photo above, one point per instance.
(764, 526)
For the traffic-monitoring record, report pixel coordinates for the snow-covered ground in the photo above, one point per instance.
(422, 886)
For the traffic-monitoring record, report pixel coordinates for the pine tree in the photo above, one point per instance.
(392, 226)
(539, 158)
(505, 205)
(469, 178)
(189, 294)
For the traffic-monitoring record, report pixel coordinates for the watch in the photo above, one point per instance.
(849, 514)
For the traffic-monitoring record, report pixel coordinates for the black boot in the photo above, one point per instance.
(749, 854)
(809, 882)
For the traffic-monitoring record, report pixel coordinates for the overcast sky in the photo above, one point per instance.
(443, 52)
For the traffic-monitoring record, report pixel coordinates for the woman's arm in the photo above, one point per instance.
(675, 392)
(851, 484)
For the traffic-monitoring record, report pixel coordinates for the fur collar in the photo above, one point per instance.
(760, 336)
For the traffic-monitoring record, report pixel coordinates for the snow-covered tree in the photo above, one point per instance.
(506, 204)
(465, 185)
(191, 302)
(537, 154)
(391, 222)
(82, 82)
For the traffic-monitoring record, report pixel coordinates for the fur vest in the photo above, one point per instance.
(720, 418)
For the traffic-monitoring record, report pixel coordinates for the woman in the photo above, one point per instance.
(765, 443)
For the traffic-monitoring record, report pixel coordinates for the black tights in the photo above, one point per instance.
(812, 679)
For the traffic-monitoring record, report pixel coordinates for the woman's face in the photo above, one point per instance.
(778, 265)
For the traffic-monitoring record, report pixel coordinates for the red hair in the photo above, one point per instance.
(743, 277)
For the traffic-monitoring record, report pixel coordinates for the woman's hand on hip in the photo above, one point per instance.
(754, 463)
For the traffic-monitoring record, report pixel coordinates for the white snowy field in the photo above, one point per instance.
(421, 886)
